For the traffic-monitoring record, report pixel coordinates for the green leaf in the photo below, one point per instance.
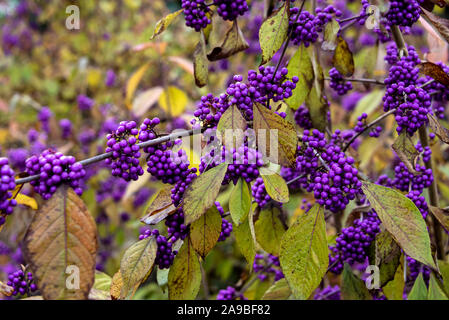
(240, 201)
(276, 187)
(402, 219)
(231, 128)
(163, 24)
(205, 231)
(406, 151)
(202, 192)
(245, 239)
(184, 277)
(394, 289)
(352, 287)
(278, 291)
(273, 32)
(368, 104)
(385, 254)
(137, 263)
(343, 60)
(162, 278)
(269, 230)
(233, 43)
(304, 253)
(102, 281)
(267, 124)
(300, 65)
(200, 63)
(419, 289)
(435, 291)
(330, 35)
(444, 269)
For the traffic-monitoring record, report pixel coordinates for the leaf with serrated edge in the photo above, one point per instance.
(402, 219)
(163, 24)
(245, 240)
(419, 289)
(136, 263)
(240, 201)
(62, 234)
(273, 32)
(406, 151)
(300, 65)
(184, 277)
(266, 120)
(278, 291)
(205, 231)
(233, 43)
(269, 230)
(202, 192)
(304, 253)
(343, 60)
(232, 123)
(200, 63)
(276, 187)
(352, 287)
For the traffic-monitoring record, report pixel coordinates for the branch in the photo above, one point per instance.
(362, 80)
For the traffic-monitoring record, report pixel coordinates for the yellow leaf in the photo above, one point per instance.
(94, 78)
(26, 201)
(173, 101)
(132, 84)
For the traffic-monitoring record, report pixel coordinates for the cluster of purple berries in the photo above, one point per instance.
(230, 294)
(231, 9)
(226, 226)
(21, 282)
(164, 255)
(328, 293)
(55, 169)
(259, 193)
(415, 268)
(403, 12)
(195, 13)
(361, 123)
(391, 56)
(125, 151)
(302, 118)
(353, 242)
(337, 82)
(85, 103)
(266, 265)
(7, 184)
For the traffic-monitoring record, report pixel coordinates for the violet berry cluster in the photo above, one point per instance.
(230, 294)
(265, 265)
(259, 193)
(124, 161)
(353, 242)
(54, 169)
(361, 123)
(403, 12)
(231, 9)
(164, 255)
(21, 282)
(338, 83)
(7, 185)
(226, 226)
(196, 14)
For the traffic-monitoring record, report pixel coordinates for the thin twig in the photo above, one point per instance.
(362, 80)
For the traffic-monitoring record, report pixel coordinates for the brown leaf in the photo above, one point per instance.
(442, 216)
(440, 25)
(406, 151)
(116, 286)
(264, 122)
(62, 234)
(435, 71)
(5, 289)
(205, 231)
(233, 43)
(343, 60)
(438, 129)
(161, 207)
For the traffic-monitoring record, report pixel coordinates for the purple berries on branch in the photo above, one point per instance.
(7, 185)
